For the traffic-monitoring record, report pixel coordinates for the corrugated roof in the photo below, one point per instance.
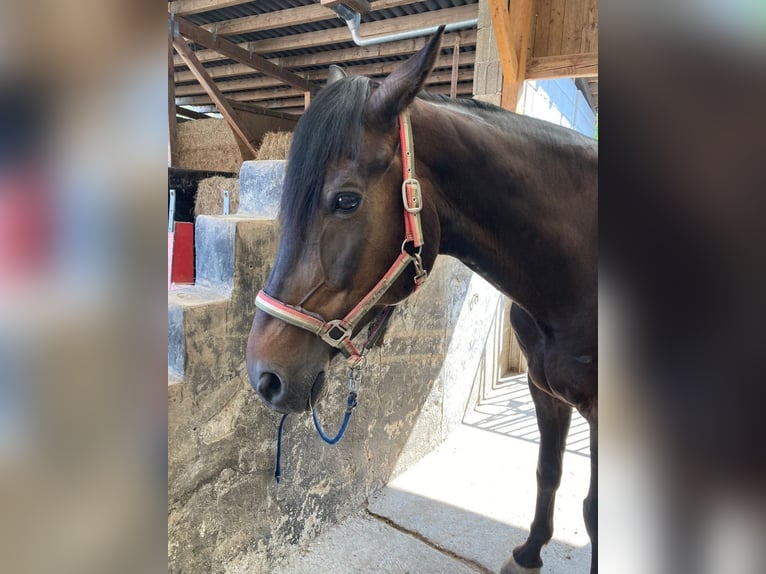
(332, 21)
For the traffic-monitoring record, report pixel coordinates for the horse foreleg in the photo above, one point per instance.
(553, 418)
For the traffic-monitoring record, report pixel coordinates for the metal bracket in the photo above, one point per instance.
(172, 211)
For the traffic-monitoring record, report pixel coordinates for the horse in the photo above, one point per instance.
(512, 197)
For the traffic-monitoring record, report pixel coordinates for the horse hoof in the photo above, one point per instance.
(513, 567)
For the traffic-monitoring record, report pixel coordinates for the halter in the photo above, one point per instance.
(337, 332)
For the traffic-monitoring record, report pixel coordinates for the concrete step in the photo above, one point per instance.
(186, 304)
(260, 188)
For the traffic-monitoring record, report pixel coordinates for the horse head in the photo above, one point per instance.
(342, 228)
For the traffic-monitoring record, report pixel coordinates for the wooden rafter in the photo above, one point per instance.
(464, 59)
(184, 113)
(288, 17)
(230, 50)
(256, 109)
(275, 95)
(346, 55)
(342, 34)
(181, 7)
(215, 95)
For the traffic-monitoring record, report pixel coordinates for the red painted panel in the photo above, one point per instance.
(183, 253)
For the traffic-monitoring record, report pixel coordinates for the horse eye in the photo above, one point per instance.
(347, 202)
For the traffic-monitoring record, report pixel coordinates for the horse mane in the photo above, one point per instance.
(467, 103)
(330, 128)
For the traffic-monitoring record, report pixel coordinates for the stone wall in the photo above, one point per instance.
(225, 511)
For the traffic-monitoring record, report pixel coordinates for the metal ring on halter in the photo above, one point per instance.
(416, 254)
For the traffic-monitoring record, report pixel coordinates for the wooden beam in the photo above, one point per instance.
(342, 34)
(387, 26)
(191, 114)
(455, 64)
(521, 27)
(181, 7)
(289, 17)
(172, 123)
(465, 59)
(341, 57)
(501, 26)
(231, 50)
(564, 66)
(464, 78)
(361, 6)
(215, 95)
(256, 109)
(257, 96)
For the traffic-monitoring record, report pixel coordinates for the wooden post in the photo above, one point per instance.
(455, 63)
(521, 22)
(512, 36)
(215, 94)
(306, 100)
(172, 124)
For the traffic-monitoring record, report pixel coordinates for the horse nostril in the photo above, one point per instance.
(269, 386)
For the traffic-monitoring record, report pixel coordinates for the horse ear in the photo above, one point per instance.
(400, 88)
(336, 73)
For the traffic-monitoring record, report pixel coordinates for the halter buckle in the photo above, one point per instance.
(334, 332)
(417, 198)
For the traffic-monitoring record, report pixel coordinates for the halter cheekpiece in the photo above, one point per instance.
(338, 332)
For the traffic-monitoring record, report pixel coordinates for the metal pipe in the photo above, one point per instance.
(353, 21)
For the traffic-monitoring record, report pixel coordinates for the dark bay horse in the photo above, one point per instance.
(514, 198)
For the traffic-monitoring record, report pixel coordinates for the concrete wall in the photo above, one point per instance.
(226, 513)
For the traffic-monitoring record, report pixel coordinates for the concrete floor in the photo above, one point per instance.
(463, 507)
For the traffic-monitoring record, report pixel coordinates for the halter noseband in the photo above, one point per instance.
(337, 332)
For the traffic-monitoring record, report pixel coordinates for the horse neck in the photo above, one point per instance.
(498, 210)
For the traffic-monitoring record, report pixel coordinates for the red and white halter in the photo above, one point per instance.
(337, 332)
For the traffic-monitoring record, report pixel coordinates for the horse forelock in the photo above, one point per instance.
(330, 129)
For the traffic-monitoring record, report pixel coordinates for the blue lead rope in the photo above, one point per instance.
(350, 404)
(278, 470)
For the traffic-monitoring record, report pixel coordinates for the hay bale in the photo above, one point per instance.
(208, 145)
(275, 145)
(209, 199)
